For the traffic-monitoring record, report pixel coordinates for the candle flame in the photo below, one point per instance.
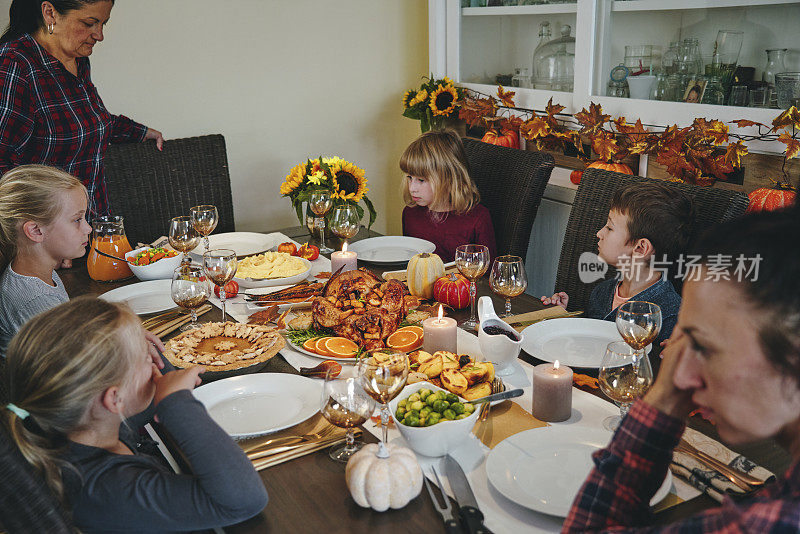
(441, 313)
(555, 365)
(344, 247)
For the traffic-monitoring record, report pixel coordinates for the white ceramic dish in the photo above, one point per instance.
(544, 468)
(252, 308)
(300, 349)
(576, 342)
(143, 297)
(160, 270)
(390, 249)
(249, 283)
(436, 440)
(243, 243)
(253, 405)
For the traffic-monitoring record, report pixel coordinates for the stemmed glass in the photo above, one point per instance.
(472, 261)
(508, 279)
(220, 266)
(204, 220)
(624, 376)
(383, 376)
(345, 404)
(320, 202)
(182, 236)
(190, 289)
(345, 221)
(639, 323)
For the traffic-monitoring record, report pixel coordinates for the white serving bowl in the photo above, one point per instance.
(160, 270)
(439, 439)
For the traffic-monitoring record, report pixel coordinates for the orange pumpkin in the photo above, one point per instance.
(771, 198)
(452, 289)
(507, 138)
(614, 167)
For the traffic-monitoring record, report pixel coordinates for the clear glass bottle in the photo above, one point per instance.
(714, 93)
(618, 83)
(555, 62)
(521, 78)
(545, 36)
(775, 64)
(670, 58)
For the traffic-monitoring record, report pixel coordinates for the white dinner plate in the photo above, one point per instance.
(269, 282)
(143, 297)
(390, 249)
(298, 348)
(576, 342)
(544, 468)
(243, 243)
(253, 405)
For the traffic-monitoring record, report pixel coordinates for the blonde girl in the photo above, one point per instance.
(442, 201)
(74, 373)
(42, 223)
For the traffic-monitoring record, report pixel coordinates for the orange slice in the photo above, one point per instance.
(416, 329)
(320, 347)
(404, 340)
(341, 347)
(311, 344)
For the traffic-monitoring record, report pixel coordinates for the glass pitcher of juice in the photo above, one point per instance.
(108, 235)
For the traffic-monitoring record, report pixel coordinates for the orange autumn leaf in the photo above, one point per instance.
(592, 119)
(605, 146)
(676, 163)
(735, 152)
(474, 110)
(534, 128)
(713, 130)
(744, 123)
(553, 109)
(790, 117)
(506, 97)
(581, 380)
(792, 144)
(635, 135)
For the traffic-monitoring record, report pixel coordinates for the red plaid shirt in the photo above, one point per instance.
(627, 474)
(49, 116)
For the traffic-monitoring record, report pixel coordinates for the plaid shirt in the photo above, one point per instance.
(50, 116)
(627, 474)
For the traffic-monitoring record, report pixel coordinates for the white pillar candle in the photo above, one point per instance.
(439, 333)
(552, 392)
(344, 258)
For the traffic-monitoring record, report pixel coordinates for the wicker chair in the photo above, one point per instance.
(590, 210)
(148, 187)
(511, 183)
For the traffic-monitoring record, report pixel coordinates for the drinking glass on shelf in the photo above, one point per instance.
(508, 279)
(190, 290)
(624, 376)
(383, 374)
(220, 266)
(345, 404)
(472, 261)
(320, 202)
(204, 220)
(639, 322)
(182, 236)
(345, 221)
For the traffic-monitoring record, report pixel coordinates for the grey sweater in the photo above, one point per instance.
(138, 493)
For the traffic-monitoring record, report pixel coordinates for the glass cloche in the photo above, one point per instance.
(554, 62)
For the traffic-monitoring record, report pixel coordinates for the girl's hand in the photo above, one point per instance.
(156, 135)
(664, 395)
(153, 343)
(175, 381)
(559, 299)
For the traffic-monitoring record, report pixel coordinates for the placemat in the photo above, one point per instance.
(504, 420)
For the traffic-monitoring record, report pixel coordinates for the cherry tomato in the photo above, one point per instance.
(231, 289)
(309, 252)
(288, 247)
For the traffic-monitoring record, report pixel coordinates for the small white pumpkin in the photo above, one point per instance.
(423, 270)
(383, 483)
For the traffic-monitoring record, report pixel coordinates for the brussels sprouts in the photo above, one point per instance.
(449, 414)
(400, 413)
(432, 419)
(458, 408)
(423, 393)
(417, 405)
(469, 407)
(451, 398)
(414, 397)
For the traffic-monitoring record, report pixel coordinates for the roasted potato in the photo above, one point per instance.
(478, 391)
(432, 368)
(454, 381)
(475, 373)
(421, 356)
(303, 321)
(416, 376)
(489, 366)
(436, 382)
(449, 360)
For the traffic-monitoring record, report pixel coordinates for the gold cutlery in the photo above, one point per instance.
(497, 387)
(741, 479)
(170, 326)
(299, 450)
(152, 321)
(328, 434)
(285, 440)
(524, 324)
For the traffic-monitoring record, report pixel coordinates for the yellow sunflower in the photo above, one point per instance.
(443, 100)
(293, 179)
(349, 181)
(408, 97)
(421, 96)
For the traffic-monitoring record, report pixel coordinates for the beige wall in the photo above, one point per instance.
(282, 80)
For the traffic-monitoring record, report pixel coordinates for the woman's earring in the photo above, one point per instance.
(50, 28)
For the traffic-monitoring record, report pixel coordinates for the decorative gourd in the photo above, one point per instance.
(771, 198)
(386, 482)
(453, 290)
(575, 176)
(506, 137)
(423, 270)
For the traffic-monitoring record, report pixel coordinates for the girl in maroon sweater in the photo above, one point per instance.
(442, 202)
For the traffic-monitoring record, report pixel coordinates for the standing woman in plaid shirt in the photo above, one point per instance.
(50, 111)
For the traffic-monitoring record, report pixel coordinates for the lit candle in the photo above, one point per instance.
(552, 392)
(439, 333)
(344, 258)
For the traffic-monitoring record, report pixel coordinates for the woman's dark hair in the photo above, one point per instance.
(25, 16)
(768, 242)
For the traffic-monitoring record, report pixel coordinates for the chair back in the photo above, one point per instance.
(148, 187)
(590, 211)
(511, 183)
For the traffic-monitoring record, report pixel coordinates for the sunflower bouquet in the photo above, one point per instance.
(433, 102)
(346, 182)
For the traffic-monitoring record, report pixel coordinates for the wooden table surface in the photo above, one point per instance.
(309, 493)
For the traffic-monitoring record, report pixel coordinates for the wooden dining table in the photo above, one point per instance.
(308, 494)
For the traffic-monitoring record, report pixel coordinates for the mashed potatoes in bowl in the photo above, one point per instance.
(271, 268)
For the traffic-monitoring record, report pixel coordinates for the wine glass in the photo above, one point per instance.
(220, 266)
(472, 261)
(508, 279)
(625, 375)
(182, 236)
(345, 221)
(345, 404)
(639, 323)
(320, 202)
(383, 374)
(204, 220)
(190, 289)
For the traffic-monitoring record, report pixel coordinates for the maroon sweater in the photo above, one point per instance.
(473, 227)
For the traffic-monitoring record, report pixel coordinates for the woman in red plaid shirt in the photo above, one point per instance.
(50, 111)
(735, 355)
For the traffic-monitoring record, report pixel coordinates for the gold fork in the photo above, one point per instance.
(286, 440)
(741, 479)
(497, 387)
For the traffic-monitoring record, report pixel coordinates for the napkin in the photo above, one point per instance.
(704, 478)
(520, 321)
(505, 419)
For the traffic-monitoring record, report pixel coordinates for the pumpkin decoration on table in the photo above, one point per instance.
(383, 476)
(453, 290)
(575, 176)
(504, 137)
(780, 195)
(422, 272)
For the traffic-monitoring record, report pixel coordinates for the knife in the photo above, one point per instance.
(471, 515)
(510, 394)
